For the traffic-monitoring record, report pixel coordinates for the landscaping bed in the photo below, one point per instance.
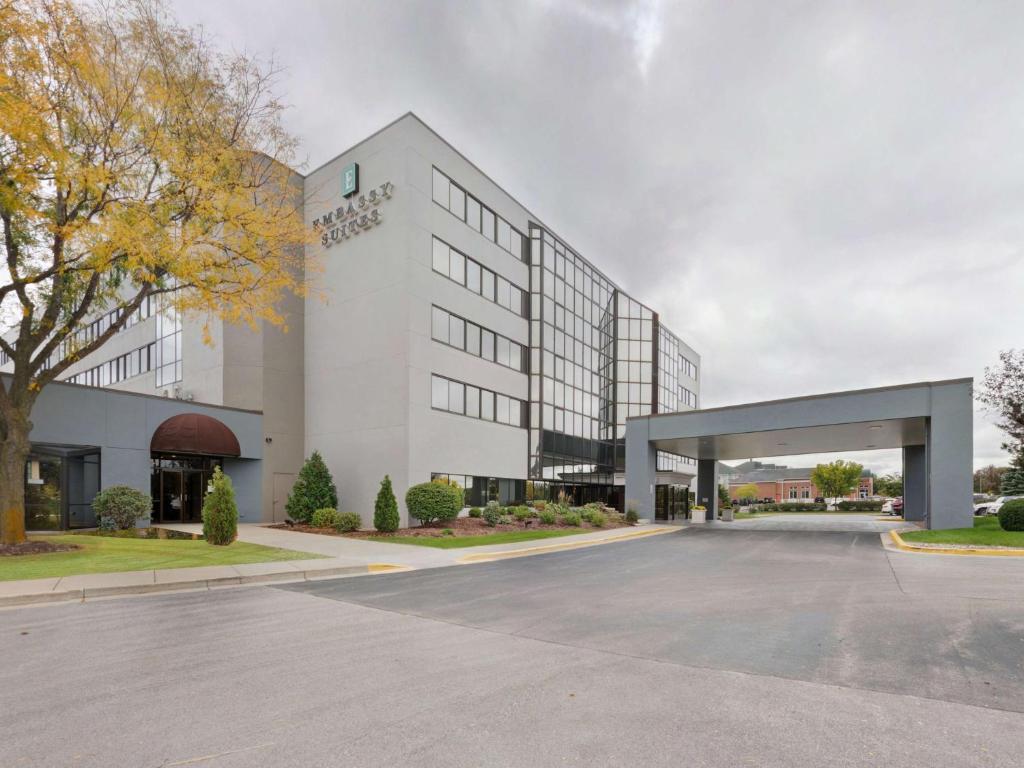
(35, 547)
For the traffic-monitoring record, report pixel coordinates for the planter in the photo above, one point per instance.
(697, 515)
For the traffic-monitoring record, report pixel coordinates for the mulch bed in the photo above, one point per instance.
(461, 526)
(35, 548)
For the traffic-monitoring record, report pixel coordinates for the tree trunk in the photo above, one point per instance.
(14, 450)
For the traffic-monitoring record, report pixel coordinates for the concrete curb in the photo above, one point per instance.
(85, 593)
(486, 557)
(900, 544)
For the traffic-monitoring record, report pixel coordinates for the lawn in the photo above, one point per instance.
(456, 542)
(986, 531)
(102, 554)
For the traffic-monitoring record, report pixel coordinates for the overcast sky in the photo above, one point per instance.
(815, 196)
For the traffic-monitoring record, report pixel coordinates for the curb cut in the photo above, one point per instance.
(81, 594)
(903, 546)
(486, 557)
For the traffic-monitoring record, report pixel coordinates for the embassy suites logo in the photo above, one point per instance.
(361, 212)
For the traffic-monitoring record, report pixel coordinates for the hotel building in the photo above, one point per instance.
(450, 331)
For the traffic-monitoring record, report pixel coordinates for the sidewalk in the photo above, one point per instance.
(340, 556)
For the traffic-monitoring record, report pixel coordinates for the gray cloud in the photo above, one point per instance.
(816, 196)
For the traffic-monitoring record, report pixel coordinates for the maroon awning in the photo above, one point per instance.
(195, 433)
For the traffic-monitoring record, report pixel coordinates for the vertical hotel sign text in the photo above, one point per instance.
(357, 214)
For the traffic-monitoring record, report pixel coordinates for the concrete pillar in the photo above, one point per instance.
(641, 468)
(950, 458)
(915, 483)
(707, 486)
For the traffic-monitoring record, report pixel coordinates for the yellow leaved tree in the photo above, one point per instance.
(135, 161)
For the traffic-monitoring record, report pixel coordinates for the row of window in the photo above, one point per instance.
(471, 274)
(457, 201)
(134, 363)
(477, 340)
(467, 400)
(94, 330)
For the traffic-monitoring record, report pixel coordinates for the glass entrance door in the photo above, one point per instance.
(179, 487)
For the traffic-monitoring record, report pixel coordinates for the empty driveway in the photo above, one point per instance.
(701, 648)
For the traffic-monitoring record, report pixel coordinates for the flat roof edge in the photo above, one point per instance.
(819, 396)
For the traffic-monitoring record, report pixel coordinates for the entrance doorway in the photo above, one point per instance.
(179, 486)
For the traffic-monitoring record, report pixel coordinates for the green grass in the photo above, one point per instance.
(103, 554)
(457, 542)
(986, 530)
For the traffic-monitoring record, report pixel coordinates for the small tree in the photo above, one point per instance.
(837, 479)
(220, 513)
(723, 496)
(747, 492)
(1012, 483)
(385, 510)
(314, 489)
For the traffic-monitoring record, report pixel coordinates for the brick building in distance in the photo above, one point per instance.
(777, 483)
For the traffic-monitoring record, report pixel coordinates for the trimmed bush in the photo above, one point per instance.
(433, 502)
(324, 518)
(597, 519)
(522, 513)
(220, 513)
(475, 512)
(1011, 515)
(631, 516)
(118, 507)
(492, 514)
(314, 489)
(385, 509)
(571, 518)
(859, 505)
(349, 521)
(547, 517)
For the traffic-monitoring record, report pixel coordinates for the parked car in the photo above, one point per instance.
(992, 507)
(897, 505)
(887, 507)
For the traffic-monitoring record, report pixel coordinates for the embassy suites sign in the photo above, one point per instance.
(361, 212)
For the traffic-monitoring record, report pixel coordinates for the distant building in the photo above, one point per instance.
(776, 483)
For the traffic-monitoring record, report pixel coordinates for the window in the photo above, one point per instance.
(168, 346)
(125, 366)
(454, 199)
(467, 400)
(470, 337)
(477, 278)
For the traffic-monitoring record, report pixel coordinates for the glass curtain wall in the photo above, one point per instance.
(570, 368)
(60, 484)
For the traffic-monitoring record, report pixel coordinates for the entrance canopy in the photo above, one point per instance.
(197, 434)
(931, 421)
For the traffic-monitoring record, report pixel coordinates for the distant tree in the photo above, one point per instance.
(314, 489)
(747, 492)
(837, 479)
(889, 485)
(1002, 390)
(988, 479)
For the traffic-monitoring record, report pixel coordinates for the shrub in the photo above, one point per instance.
(597, 519)
(859, 505)
(1011, 515)
(475, 512)
(522, 513)
(385, 509)
(448, 532)
(314, 489)
(631, 516)
(118, 507)
(433, 502)
(584, 513)
(571, 518)
(540, 505)
(220, 514)
(324, 518)
(492, 514)
(547, 517)
(349, 521)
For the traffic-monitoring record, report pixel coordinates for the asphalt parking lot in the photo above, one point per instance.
(699, 648)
